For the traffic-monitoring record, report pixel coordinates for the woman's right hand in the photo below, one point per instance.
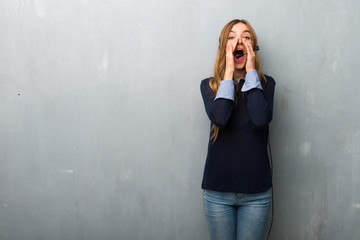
(230, 65)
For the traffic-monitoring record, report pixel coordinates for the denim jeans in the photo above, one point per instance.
(236, 216)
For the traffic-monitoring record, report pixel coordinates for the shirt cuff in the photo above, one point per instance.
(226, 90)
(251, 81)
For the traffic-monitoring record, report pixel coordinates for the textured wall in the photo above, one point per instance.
(103, 134)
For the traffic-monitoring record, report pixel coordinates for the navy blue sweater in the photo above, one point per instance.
(238, 161)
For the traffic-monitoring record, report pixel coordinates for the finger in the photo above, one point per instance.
(246, 44)
(229, 46)
(234, 43)
(251, 53)
(248, 52)
(250, 47)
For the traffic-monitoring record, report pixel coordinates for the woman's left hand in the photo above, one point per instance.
(250, 62)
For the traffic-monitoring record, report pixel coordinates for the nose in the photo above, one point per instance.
(239, 40)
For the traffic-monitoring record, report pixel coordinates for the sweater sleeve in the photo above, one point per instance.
(260, 104)
(251, 81)
(218, 110)
(226, 90)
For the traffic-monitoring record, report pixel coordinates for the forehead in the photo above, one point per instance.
(239, 28)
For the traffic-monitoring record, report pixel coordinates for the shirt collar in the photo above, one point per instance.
(239, 79)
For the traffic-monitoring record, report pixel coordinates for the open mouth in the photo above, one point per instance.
(238, 53)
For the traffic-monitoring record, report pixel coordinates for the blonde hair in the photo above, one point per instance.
(220, 62)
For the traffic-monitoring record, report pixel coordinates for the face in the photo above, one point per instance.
(240, 34)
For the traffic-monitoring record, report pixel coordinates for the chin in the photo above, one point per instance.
(240, 66)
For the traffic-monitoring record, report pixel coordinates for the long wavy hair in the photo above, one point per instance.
(220, 63)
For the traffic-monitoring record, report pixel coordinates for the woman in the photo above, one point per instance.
(239, 102)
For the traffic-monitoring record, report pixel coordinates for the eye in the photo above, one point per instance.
(247, 37)
(231, 38)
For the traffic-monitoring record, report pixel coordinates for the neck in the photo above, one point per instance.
(239, 73)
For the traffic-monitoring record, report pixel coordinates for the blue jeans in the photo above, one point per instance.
(238, 216)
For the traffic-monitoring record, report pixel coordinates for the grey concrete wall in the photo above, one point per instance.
(103, 134)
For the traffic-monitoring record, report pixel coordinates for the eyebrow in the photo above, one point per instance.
(242, 31)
